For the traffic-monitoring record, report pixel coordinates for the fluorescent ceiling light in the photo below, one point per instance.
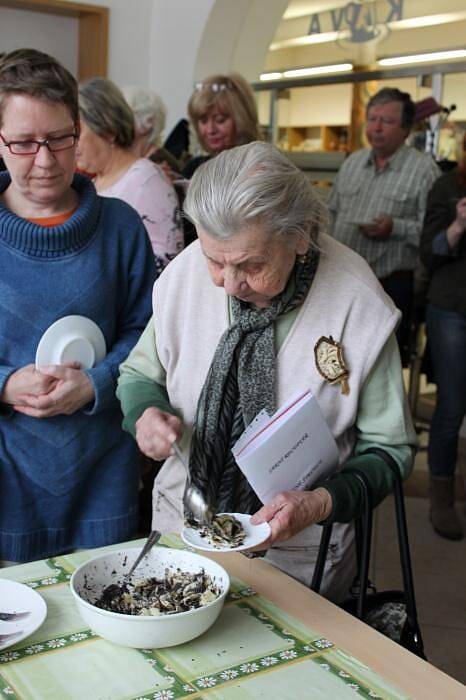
(322, 38)
(411, 23)
(318, 70)
(270, 76)
(422, 58)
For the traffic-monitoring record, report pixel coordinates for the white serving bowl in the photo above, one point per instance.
(145, 631)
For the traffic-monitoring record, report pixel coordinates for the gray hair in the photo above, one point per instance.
(149, 112)
(254, 184)
(105, 111)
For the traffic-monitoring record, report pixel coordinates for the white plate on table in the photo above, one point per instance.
(16, 597)
(71, 339)
(255, 535)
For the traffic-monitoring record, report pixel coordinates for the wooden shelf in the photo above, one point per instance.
(314, 138)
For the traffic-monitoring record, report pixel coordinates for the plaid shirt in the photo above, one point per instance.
(361, 192)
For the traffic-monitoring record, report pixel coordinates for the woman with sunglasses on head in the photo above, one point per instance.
(67, 471)
(223, 112)
(105, 149)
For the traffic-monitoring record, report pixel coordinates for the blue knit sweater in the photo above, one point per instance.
(70, 481)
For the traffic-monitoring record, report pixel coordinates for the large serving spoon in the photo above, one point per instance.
(193, 500)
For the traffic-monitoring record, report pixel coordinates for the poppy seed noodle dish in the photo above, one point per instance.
(173, 596)
(224, 531)
(178, 591)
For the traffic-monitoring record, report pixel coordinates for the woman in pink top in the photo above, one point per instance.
(105, 150)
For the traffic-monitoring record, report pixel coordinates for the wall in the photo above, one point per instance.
(52, 34)
(175, 36)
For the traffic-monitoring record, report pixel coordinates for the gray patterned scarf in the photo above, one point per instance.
(239, 384)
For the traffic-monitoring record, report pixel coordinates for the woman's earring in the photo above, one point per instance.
(302, 258)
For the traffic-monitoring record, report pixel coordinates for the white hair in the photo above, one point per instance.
(254, 184)
(149, 112)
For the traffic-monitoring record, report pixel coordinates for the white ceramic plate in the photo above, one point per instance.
(71, 339)
(16, 597)
(255, 535)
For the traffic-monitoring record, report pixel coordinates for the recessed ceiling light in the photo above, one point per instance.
(422, 58)
(318, 70)
(270, 76)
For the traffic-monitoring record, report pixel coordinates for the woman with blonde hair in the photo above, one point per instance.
(223, 113)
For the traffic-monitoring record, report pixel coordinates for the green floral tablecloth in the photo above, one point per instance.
(254, 650)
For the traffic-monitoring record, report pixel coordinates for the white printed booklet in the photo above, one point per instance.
(288, 451)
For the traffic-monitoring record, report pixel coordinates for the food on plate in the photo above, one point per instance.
(224, 530)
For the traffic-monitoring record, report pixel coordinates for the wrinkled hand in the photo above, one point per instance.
(27, 381)
(156, 431)
(71, 390)
(292, 511)
(380, 228)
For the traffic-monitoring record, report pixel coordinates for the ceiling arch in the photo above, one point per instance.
(237, 36)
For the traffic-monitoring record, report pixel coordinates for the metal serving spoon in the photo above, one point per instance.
(116, 589)
(193, 500)
(152, 540)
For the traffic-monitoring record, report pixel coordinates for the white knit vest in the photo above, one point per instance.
(190, 314)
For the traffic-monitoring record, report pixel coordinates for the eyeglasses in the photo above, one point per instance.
(214, 87)
(31, 148)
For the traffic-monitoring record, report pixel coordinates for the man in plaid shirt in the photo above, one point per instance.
(378, 200)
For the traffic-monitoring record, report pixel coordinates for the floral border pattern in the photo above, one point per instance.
(295, 650)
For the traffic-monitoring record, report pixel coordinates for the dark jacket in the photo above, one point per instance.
(447, 268)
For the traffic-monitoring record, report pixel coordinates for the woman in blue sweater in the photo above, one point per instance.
(68, 474)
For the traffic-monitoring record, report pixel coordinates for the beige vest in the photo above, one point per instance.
(190, 315)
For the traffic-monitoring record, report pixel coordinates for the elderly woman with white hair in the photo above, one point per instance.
(150, 115)
(236, 319)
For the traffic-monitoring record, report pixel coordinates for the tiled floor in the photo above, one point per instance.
(439, 569)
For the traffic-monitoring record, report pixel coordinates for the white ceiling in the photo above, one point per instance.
(298, 8)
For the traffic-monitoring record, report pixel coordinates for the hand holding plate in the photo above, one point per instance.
(73, 389)
(292, 511)
(24, 383)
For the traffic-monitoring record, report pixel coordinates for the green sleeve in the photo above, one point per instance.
(142, 381)
(383, 422)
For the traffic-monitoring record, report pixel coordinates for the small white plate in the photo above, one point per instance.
(71, 339)
(16, 597)
(255, 535)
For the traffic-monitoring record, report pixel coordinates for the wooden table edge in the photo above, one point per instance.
(405, 670)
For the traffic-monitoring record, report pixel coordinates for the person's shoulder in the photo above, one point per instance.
(421, 160)
(121, 217)
(344, 267)
(187, 271)
(142, 170)
(117, 207)
(185, 265)
(355, 160)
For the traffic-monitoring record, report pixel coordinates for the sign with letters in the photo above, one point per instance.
(363, 21)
